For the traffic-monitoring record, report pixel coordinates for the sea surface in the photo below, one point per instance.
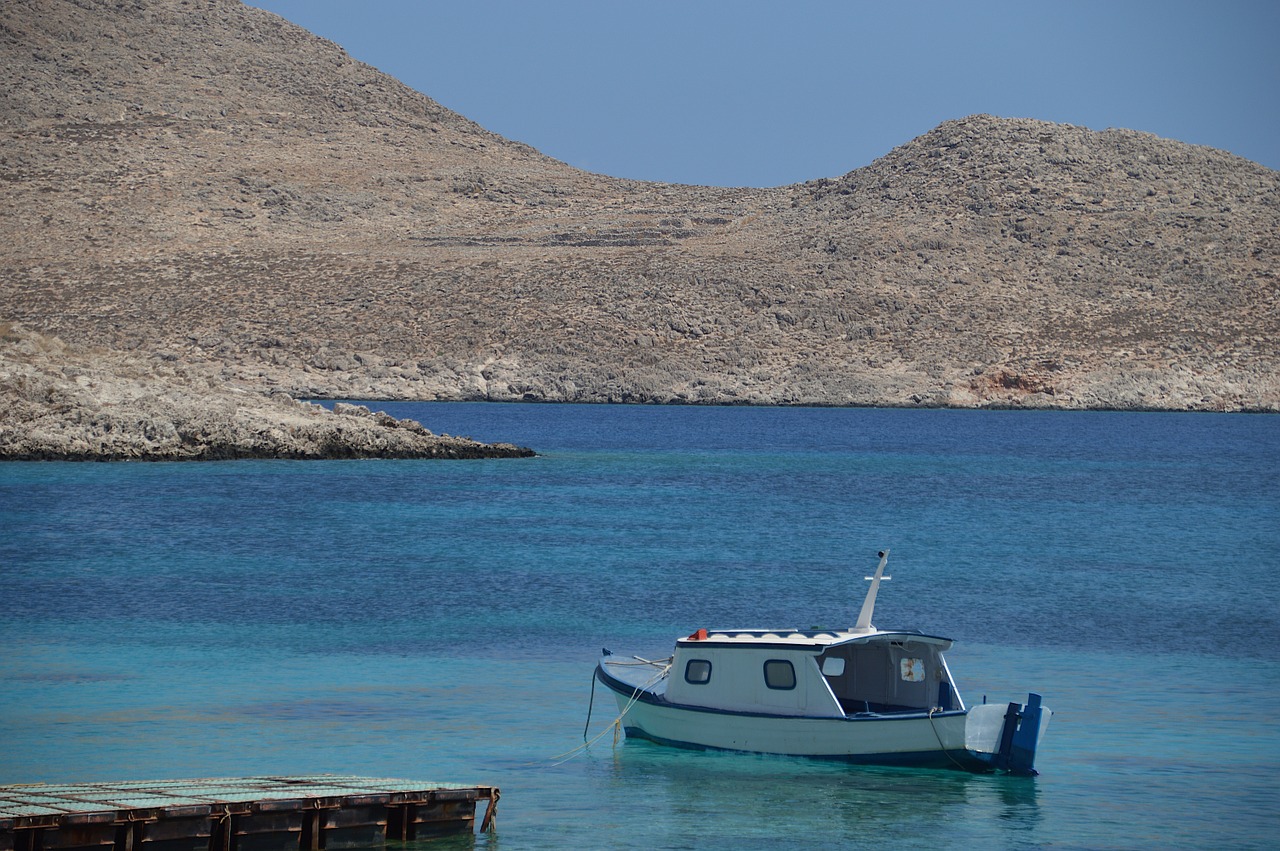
(440, 620)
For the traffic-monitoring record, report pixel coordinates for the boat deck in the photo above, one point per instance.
(236, 814)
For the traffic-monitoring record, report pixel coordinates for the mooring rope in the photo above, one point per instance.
(665, 664)
(591, 704)
(616, 724)
(943, 747)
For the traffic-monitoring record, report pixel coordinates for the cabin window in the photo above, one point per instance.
(833, 666)
(912, 670)
(697, 671)
(779, 674)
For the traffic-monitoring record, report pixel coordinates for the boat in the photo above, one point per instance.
(859, 694)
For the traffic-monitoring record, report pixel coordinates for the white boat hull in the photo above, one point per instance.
(939, 739)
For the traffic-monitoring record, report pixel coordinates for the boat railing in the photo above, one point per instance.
(787, 632)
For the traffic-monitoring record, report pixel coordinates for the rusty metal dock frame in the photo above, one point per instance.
(315, 813)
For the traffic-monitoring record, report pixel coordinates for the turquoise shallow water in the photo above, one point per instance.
(440, 620)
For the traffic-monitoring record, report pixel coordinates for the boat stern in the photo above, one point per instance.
(1005, 737)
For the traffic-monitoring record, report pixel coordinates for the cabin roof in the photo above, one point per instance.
(814, 638)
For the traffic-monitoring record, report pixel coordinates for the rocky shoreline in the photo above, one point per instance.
(70, 403)
(227, 213)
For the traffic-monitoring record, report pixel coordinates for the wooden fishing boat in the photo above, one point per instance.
(859, 694)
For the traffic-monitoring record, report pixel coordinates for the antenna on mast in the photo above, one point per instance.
(869, 604)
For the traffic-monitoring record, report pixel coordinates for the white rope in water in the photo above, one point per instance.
(616, 724)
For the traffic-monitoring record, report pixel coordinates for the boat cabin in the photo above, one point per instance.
(815, 673)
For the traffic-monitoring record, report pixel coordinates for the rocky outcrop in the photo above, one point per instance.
(70, 403)
(309, 226)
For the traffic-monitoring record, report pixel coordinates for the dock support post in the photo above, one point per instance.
(400, 822)
(220, 831)
(309, 839)
(127, 836)
(489, 824)
(26, 840)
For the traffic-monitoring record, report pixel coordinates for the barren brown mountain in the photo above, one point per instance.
(201, 182)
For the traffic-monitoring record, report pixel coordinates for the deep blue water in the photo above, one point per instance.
(440, 620)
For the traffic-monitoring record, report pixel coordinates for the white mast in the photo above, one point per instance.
(869, 604)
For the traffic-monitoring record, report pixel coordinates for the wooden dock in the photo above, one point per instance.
(236, 814)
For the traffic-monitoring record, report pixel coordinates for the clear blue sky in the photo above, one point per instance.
(755, 93)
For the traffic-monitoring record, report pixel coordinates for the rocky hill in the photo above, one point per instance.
(200, 182)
